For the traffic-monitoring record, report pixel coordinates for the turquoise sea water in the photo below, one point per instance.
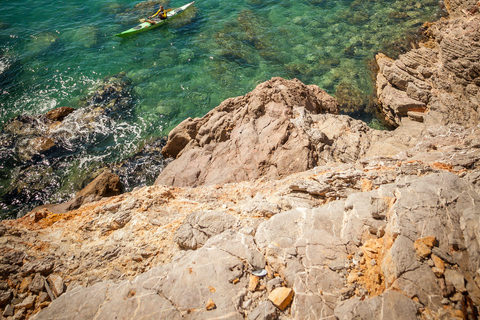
(57, 52)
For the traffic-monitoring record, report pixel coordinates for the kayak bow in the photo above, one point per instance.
(147, 25)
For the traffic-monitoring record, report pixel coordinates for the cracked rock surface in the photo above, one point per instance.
(333, 220)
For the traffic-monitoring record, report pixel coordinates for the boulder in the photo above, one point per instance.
(246, 137)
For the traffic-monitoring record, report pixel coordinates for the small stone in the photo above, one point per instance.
(236, 281)
(274, 283)
(438, 272)
(42, 297)
(253, 283)
(19, 314)
(430, 263)
(25, 283)
(246, 304)
(456, 297)
(373, 262)
(423, 251)
(49, 292)
(281, 297)
(352, 277)
(56, 284)
(438, 262)
(27, 303)
(37, 284)
(3, 285)
(8, 311)
(445, 301)
(5, 297)
(210, 305)
(264, 311)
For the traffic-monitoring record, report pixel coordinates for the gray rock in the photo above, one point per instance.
(56, 284)
(198, 227)
(264, 311)
(5, 297)
(389, 305)
(274, 283)
(42, 266)
(456, 279)
(37, 284)
(19, 314)
(27, 303)
(42, 297)
(8, 312)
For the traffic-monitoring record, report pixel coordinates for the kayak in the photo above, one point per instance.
(147, 25)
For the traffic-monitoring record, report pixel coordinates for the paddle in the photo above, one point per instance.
(168, 10)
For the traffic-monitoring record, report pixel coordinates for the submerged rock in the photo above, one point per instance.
(35, 150)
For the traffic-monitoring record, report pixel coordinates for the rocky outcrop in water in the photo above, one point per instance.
(438, 82)
(248, 137)
(35, 150)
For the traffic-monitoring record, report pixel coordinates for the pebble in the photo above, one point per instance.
(373, 262)
(445, 301)
(210, 305)
(8, 311)
(281, 297)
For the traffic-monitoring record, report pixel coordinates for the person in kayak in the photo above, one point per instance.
(161, 13)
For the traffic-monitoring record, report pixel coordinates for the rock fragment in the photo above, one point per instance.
(210, 305)
(264, 311)
(56, 284)
(8, 312)
(281, 297)
(37, 284)
(455, 278)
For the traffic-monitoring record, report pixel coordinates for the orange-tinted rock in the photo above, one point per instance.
(59, 114)
(422, 249)
(281, 297)
(253, 283)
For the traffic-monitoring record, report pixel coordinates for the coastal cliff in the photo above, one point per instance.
(276, 207)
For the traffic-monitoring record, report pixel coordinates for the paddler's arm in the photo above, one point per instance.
(156, 14)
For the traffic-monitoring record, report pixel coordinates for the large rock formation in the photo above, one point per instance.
(438, 82)
(248, 137)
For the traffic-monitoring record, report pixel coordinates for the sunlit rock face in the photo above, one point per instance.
(367, 224)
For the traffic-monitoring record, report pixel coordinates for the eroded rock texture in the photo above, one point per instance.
(295, 213)
(438, 82)
(247, 137)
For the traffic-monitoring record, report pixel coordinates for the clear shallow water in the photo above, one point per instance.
(57, 52)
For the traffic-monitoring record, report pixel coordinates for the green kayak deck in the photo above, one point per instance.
(144, 26)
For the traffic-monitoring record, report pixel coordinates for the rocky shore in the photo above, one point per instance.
(277, 207)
